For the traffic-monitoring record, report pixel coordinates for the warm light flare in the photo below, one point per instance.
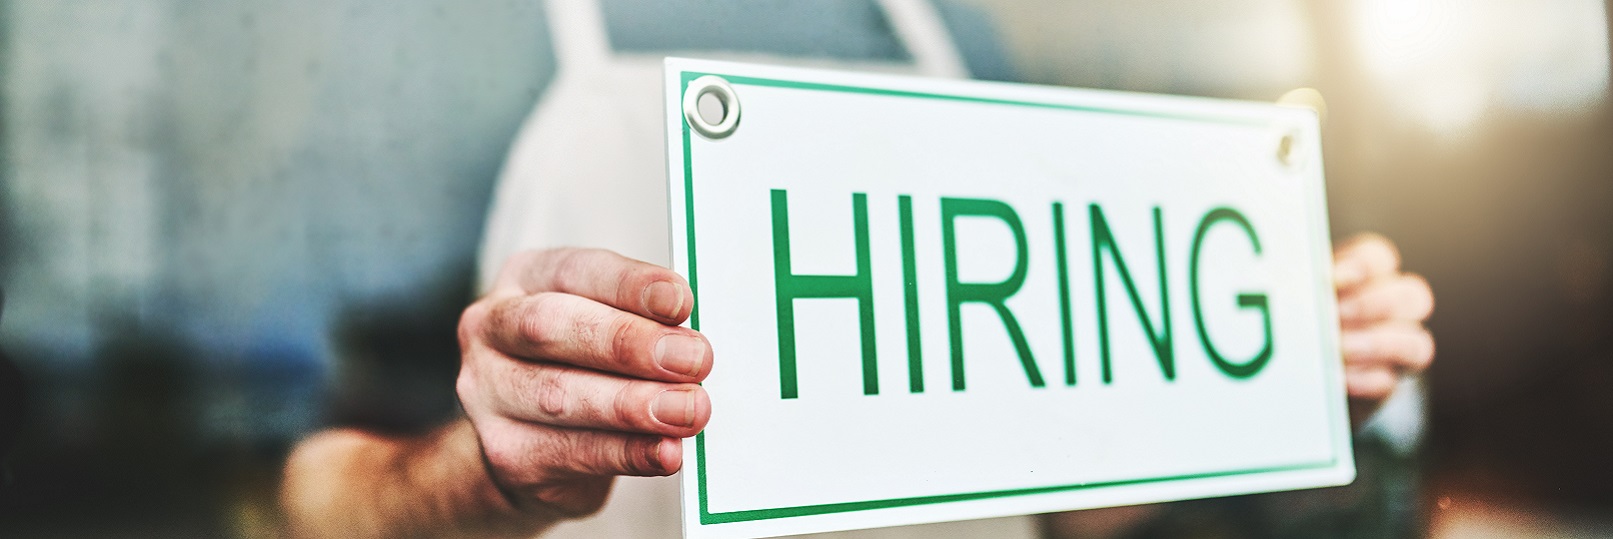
(1447, 63)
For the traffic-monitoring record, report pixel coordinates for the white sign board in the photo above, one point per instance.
(940, 300)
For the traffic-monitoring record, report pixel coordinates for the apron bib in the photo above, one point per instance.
(588, 169)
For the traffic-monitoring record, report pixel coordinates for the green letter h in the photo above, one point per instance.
(789, 287)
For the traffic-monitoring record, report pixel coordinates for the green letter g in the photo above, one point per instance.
(1249, 301)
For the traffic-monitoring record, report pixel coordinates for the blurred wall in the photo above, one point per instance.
(1478, 135)
(238, 175)
(203, 204)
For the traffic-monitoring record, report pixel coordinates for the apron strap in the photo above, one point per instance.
(578, 30)
(581, 41)
(920, 29)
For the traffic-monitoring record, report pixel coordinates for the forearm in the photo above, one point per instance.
(353, 483)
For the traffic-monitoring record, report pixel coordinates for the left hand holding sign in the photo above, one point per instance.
(1381, 315)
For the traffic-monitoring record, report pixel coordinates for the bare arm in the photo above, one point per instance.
(353, 483)
(572, 371)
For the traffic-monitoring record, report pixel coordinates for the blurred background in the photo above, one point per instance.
(224, 225)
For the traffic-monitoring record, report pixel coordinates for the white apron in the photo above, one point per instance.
(589, 169)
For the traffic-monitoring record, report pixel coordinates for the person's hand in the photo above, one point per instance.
(574, 370)
(1381, 315)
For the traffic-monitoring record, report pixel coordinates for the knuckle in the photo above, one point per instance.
(570, 267)
(624, 342)
(569, 454)
(549, 254)
(629, 407)
(470, 384)
(551, 392)
(501, 456)
(606, 455)
(638, 455)
(539, 322)
(471, 322)
(614, 458)
(467, 388)
(589, 456)
(594, 333)
(541, 267)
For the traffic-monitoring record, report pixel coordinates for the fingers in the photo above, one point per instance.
(630, 285)
(1381, 311)
(1399, 297)
(1406, 348)
(1371, 383)
(573, 370)
(1377, 358)
(1363, 258)
(551, 453)
(570, 470)
(572, 397)
(578, 331)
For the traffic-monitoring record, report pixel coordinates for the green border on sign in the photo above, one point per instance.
(707, 517)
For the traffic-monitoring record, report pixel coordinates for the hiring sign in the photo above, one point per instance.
(939, 300)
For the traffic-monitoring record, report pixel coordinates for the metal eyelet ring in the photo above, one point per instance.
(715, 86)
(1285, 149)
(1290, 151)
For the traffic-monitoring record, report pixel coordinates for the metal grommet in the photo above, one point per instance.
(717, 87)
(1289, 153)
(1285, 149)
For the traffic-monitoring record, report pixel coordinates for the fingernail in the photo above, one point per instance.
(668, 454)
(674, 408)
(681, 354)
(663, 299)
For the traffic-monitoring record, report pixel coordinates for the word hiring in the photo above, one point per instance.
(790, 286)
